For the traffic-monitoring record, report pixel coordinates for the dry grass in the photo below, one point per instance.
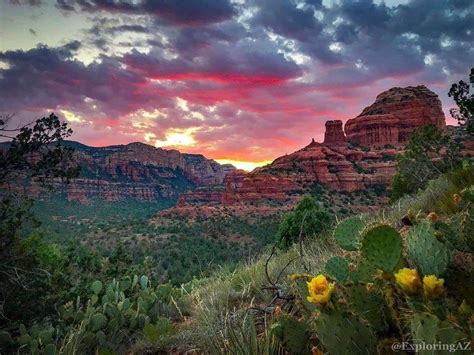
(220, 320)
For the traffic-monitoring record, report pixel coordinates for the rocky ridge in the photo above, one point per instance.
(136, 170)
(357, 156)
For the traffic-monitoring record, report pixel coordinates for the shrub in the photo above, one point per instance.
(307, 220)
(429, 154)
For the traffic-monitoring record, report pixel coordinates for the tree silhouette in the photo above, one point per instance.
(464, 113)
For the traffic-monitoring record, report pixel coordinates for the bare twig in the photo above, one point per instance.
(301, 242)
(266, 264)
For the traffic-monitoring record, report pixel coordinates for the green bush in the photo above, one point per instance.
(307, 220)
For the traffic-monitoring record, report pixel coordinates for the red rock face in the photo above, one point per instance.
(335, 163)
(394, 115)
(341, 168)
(334, 133)
(137, 171)
(140, 162)
(338, 167)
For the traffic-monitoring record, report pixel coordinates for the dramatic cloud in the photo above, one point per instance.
(183, 12)
(239, 80)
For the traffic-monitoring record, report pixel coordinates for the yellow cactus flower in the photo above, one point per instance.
(319, 290)
(408, 279)
(432, 286)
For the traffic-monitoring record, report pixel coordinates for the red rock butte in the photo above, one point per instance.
(394, 115)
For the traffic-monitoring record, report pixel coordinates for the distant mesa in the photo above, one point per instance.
(136, 170)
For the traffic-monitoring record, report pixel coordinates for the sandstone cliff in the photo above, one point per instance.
(334, 133)
(394, 115)
(136, 171)
(361, 158)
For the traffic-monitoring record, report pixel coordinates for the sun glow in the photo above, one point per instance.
(177, 138)
(244, 165)
(70, 116)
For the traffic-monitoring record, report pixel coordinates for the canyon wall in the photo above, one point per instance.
(136, 171)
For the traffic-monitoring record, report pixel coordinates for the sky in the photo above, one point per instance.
(240, 81)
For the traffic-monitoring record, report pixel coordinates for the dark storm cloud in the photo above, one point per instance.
(431, 19)
(193, 40)
(383, 41)
(288, 20)
(183, 12)
(275, 69)
(48, 78)
(129, 28)
(243, 62)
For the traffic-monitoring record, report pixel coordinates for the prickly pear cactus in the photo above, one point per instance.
(344, 334)
(338, 268)
(368, 304)
(382, 246)
(427, 328)
(347, 232)
(293, 334)
(430, 256)
(363, 272)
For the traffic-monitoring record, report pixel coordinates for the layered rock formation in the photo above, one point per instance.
(334, 133)
(394, 115)
(337, 167)
(136, 171)
(361, 158)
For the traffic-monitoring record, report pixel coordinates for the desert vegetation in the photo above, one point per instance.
(325, 280)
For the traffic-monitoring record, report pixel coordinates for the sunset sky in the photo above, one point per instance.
(241, 81)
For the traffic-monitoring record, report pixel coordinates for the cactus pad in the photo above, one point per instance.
(428, 328)
(293, 334)
(98, 321)
(430, 256)
(369, 305)
(338, 268)
(382, 246)
(347, 233)
(5, 340)
(96, 287)
(344, 334)
(364, 272)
